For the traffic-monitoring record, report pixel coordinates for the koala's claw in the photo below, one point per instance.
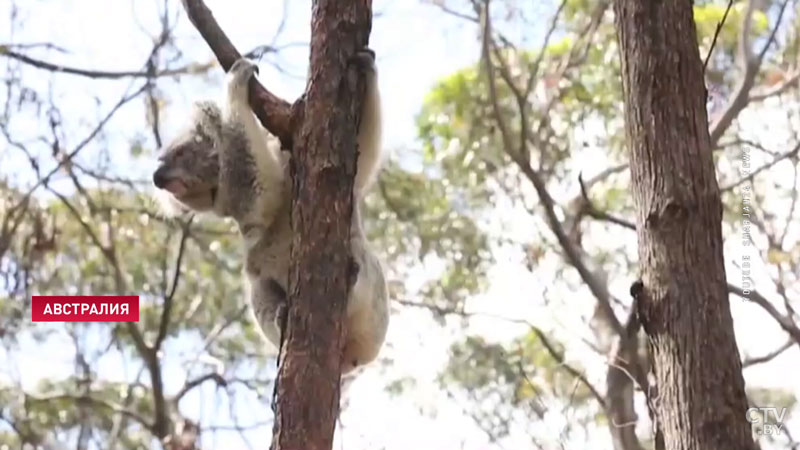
(243, 69)
(355, 268)
(366, 51)
(365, 59)
(281, 317)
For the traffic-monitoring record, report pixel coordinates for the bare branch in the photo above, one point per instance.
(596, 286)
(163, 325)
(773, 33)
(559, 357)
(601, 215)
(787, 84)
(102, 74)
(769, 356)
(274, 113)
(546, 342)
(716, 34)
(751, 176)
(755, 297)
(191, 384)
(534, 69)
(446, 9)
(78, 399)
(741, 96)
(68, 157)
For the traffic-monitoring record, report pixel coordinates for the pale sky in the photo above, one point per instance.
(416, 44)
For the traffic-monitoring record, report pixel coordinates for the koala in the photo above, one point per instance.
(226, 164)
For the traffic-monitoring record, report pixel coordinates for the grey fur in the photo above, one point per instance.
(227, 164)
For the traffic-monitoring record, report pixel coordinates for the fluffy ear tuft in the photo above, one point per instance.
(205, 110)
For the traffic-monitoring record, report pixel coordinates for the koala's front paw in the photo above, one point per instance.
(364, 59)
(240, 73)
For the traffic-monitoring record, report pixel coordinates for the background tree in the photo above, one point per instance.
(684, 311)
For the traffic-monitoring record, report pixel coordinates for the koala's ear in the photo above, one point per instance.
(205, 110)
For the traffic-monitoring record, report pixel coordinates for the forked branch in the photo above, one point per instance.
(275, 113)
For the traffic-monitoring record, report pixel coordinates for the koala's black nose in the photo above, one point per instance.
(160, 177)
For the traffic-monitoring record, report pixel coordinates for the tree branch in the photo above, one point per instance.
(596, 286)
(276, 114)
(767, 306)
(100, 74)
(741, 96)
(598, 214)
(191, 384)
(788, 83)
(752, 175)
(752, 361)
(546, 342)
(163, 325)
(78, 399)
(716, 34)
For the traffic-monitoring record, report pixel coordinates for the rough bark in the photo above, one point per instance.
(684, 308)
(321, 270)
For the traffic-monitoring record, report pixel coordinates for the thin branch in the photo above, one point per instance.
(787, 84)
(116, 409)
(274, 113)
(191, 384)
(252, 426)
(741, 96)
(773, 33)
(716, 34)
(163, 325)
(546, 342)
(625, 370)
(87, 228)
(455, 13)
(101, 74)
(534, 69)
(769, 356)
(596, 286)
(792, 153)
(67, 158)
(755, 297)
(443, 310)
(30, 45)
(559, 357)
(596, 213)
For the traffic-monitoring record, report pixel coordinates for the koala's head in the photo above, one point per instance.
(188, 172)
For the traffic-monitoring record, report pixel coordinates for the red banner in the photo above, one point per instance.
(85, 308)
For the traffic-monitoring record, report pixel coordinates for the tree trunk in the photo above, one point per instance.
(323, 167)
(684, 307)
